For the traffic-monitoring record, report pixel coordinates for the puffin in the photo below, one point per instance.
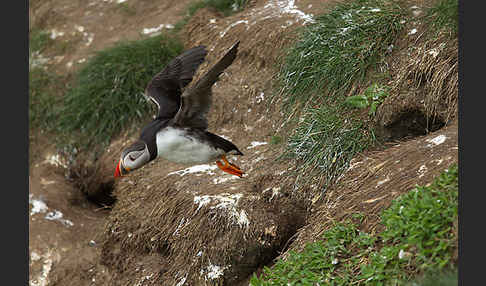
(178, 132)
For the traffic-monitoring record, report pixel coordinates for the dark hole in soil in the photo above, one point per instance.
(408, 125)
(266, 258)
(103, 195)
(92, 187)
(258, 258)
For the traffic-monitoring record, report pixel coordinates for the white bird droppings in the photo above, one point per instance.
(213, 271)
(55, 33)
(38, 206)
(422, 171)
(57, 215)
(34, 256)
(42, 279)
(221, 34)
(255, 144)
(383, 181)
(147, 31)
(223, 179)
(260, 97)
(56, 160)
(436, 140)
(227, 203)
(204, 168)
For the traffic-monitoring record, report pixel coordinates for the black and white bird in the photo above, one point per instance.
(179, 131)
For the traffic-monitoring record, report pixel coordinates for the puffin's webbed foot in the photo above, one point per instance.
(229, 168)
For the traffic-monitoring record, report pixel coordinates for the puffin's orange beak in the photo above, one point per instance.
(120, 170)
(117, 170)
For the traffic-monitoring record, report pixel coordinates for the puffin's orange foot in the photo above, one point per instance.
(229, 168)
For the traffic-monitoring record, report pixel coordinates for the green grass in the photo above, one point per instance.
(227, 7)
(43, 84)
(422, 219)
(43, 98)
(330, 56)
(38, 40)
(436, 278)
(418, 238)
(444, 15)
(339, 49)
(107, 93)
(326, 141)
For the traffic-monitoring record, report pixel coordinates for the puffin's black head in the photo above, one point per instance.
(133, 157)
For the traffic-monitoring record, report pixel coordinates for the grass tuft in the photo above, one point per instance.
(326, 141)
(418, 238)
(107, 94)
(444, 15)
(339, 48)
(43, 98)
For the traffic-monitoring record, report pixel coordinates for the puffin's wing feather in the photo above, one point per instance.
(165, 88)
(196, 100)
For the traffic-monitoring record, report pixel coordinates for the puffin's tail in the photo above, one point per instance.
(224, 144)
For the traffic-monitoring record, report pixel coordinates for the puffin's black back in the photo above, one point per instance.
(149, 134)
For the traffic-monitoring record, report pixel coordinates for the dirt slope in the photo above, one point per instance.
(183, 225)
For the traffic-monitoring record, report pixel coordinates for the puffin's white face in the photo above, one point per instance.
(132, 158)
(136, 159)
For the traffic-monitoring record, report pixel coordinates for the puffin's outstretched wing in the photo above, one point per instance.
(196, 100)
(165, 88)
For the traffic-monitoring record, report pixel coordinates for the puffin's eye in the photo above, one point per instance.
(131, 157)
(134, 155)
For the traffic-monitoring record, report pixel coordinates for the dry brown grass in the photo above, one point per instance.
(176, 220)
(432, 67)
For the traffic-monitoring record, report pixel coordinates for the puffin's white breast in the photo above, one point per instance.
(175, 145)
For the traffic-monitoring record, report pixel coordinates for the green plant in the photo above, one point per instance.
(444, 15)
(372, 97)
(107, 94)
(423, 218)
